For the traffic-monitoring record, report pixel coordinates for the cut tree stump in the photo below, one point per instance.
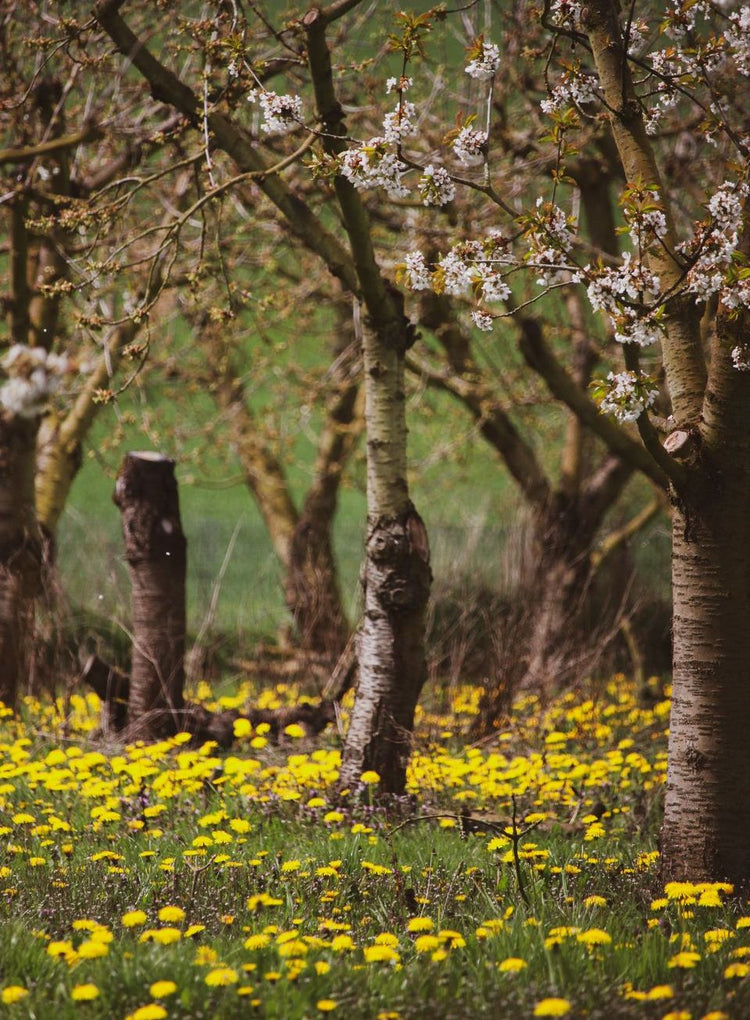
(156, 552)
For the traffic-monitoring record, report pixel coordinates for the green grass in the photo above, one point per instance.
(283, 895)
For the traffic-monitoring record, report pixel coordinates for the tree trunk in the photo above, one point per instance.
(706, 832)
(396, 581)
(20, 552)
(312, 585)
(553, 602)
(155, 548)
(301, 540)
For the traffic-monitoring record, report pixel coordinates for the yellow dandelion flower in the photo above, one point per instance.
(594, 937)
(684, 960)
(162, 989)
(595, 901)
(659, 992)
(420, 924)
(92, 949)
(133, 918)
(426, 943)
(84, 993)
(326, 1005)
(386, 938)
(511, 965)
(370, 777)
(552, 1007)
(295, 731)
(342, 943)
(13, 993)
(716, 937)
(152, 1011)
(242, 728)
(171, 914)
(293, 949)
(380, 954)
(62, 948)
(205, 956)
(221, 977)
(259, 941)
(737, 970)
(683, 891)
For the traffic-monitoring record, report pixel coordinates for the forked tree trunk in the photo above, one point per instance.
(156, 551)
(20, 553)
(301, 539)
(396, 581)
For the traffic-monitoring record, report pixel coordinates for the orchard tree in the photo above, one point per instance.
(397, 573)
(677, 301)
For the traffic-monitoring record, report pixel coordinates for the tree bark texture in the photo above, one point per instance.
(396, 581)
(20, 553)
(706, 831)
(156, 552)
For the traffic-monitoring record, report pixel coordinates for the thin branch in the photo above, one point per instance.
(616, 539)
(233, 140)
(91, 133)
(539, 357)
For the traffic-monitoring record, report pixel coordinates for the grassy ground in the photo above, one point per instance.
(170, 881)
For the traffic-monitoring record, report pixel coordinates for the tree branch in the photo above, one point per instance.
(539, 357)
(87, 134)
(618, 538)
(230, 138)
(494, 424)
(682, 354)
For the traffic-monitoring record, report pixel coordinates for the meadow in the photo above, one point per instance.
(519, 876)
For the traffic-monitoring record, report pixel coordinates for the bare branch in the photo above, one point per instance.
(87, 134)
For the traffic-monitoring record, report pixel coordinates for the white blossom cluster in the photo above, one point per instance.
(620, 291)
(398, 84)
(712, 248)
(482, 320)
(33, 375)
(475, 267)
(680, 16)
(373, 165)
(668, 69)
(738, 39)
(470, 268)
(280, 114)
(486, 63)
(436, 186)
(401, 122)
(549, 243)
(741, 358)
(469, 146)
(647, 227)
(576, 86)
(568, 13)
(629, 395)
(415, 273)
